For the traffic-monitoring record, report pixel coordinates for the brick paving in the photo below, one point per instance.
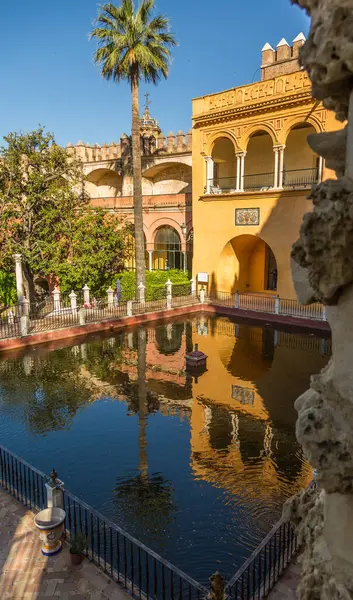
(27, 574)
(285, 588)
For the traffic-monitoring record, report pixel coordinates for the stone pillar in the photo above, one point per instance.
(169, 286)
(141, 292)
(277, 305)
(56, 296)
(129, 308)
(110, 294)
(281, 165)
(202, 295)
(193, 286)
(24, 325)
(238, 182)
(237, 299)
(275, 178)
(209, 173)
(86, 299)
(82, 316)
(242, 171)
(73, 302)
(150, 260)
(25, 307)
(55, 493)
(19, 277)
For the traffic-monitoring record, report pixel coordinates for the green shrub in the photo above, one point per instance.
(8, 294)
(155, 283)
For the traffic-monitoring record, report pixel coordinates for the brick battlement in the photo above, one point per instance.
(150, 145)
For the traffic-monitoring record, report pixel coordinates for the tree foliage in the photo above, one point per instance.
(44, 215)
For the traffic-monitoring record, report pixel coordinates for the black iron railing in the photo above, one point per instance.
(10, 322)
(259, 181)
(22, 481)
(100, 310)
(300, 178)
(132, 564)
(129, 562)
(263, 568)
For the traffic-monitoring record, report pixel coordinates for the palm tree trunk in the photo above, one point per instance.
(137, 179)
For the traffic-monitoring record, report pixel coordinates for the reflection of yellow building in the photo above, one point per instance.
(252, 170)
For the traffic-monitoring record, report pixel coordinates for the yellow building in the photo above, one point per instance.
(252, 170)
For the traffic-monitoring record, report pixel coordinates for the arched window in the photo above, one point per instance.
(167, 252)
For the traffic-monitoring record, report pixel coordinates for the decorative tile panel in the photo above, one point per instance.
(247, 216)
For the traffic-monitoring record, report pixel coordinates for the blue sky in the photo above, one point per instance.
(48, 76)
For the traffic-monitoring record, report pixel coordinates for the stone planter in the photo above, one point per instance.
(50, 523)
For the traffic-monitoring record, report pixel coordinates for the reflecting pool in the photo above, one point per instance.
(196, 468)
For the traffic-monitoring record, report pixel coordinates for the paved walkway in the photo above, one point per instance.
(27, 574)
(285, 588)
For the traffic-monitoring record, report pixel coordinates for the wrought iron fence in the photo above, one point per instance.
(100, 310)
(140, 308)
(132, 564)
(268, 303)
(129, 562)
(22, 481)
(10, 322)
(259, 181)
(58, 318)
(263, 568)
(300, 178)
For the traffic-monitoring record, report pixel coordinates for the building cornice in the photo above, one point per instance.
(273, 105)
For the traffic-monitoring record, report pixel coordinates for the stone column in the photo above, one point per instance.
(281, 164)
(150, 260)
(73, 302)
(320, 169)
(19, 277)
(110, 294)
(141, 289)
(193, 286)
(238, 182)
(129, 308)
(275, 178)
(86, 299)
(56, 296)
(169, 286)
(209, 173)
(242, 171)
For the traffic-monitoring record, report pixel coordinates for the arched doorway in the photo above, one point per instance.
(167, 252)
(224, 165)
(301, 167)
(259, 162)
(247, 264)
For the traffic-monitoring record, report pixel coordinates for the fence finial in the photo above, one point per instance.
(217, 586)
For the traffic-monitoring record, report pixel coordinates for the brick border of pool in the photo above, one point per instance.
(161, 315)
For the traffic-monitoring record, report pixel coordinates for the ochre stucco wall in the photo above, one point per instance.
(275, 107)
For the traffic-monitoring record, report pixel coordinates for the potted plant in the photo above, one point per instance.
(78, 543)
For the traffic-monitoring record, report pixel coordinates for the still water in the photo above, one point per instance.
(197, 469)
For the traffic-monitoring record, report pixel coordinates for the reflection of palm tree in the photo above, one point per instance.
(145, 500)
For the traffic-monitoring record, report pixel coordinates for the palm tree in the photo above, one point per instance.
(134, 46)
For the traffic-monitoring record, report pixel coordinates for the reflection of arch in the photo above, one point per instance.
(104, 183)
(247, 264)
(254, 129)
(259, 161)
(167, 252)
(221, 134)
(248, 357)
(169, 338)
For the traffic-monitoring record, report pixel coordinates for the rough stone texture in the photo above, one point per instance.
(327, 54)
(326, 240)
(323, 413)
(332, 147)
